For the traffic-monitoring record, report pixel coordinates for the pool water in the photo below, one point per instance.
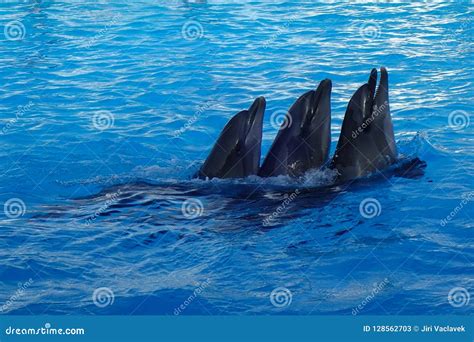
(107, 110)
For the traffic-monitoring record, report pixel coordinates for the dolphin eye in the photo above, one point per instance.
(238, 148)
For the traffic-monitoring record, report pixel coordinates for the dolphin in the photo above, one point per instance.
(366, 143)
(304, 138)
(236, 153)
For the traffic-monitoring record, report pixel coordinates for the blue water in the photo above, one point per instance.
(108, 109)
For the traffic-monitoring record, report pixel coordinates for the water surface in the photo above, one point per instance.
(108, 109)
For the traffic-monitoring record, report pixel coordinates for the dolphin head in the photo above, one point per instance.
(367, 142)
(304, 138)
(236, 152)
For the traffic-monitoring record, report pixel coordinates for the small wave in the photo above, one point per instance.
(419, 146)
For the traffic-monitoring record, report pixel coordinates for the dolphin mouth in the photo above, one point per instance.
(326, 85)
(325, 88)
(322, 92)
(254, 122)
(377, 91)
